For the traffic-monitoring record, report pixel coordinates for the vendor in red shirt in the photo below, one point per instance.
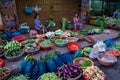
(76, 21)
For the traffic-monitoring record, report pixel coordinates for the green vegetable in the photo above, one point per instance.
(46, 43)
(21, 77)
(49, 76)
(13, 51)
(28, 41)
(12, 44)
(86, 63)
(117, 46)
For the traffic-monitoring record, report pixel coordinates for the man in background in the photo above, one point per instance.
(117, 14)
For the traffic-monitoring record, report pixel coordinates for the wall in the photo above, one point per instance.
(57, 8)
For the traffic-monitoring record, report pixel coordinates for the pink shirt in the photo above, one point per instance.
(76, 19)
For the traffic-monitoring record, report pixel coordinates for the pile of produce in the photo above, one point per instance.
(69, 71)
(52, 39)
(21, 77)
(49, 34)
(13, 48)
(85, 63)
(66, 34)
(61, 42)
(115, 53)
(46, 43)
(49, 76)
(73, 46)
(112, 21)
(13, 51)
(31, 47)
(4, 72)
(13, 44)
(93, 73)
(56, 59)
(59, 32)
(32, 68)
(73, 33)
(28, 41)
(87, 50)
(117, 46)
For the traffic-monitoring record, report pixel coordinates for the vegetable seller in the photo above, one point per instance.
(117, 14)
(37, 24)
(76, 21)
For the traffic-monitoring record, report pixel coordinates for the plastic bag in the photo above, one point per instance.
(100, 46)
(93, 54)
(67, 56)
(29, 68)
(78, 53)
(42, 69)
(58, 61)
(51, 65)
(22, 66)
(16, 33)
(110, 42)
(24, 28)
(28, 10)
(62, 58)
(35, 71)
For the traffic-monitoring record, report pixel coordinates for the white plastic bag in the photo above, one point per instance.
(93, 54)
(100, 46)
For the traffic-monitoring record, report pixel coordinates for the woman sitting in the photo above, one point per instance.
(38, 25)
(76, 21)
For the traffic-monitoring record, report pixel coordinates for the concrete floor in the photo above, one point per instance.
(112, 73)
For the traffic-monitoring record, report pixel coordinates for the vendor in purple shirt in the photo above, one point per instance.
(38, 25)
(76, 21)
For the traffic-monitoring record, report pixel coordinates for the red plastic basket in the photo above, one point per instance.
(73, 43)
(46, 48)
(19, 38)
(1, 63)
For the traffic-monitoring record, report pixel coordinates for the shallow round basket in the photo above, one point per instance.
(73, 43)
(46, 48)
(61, 45)
(6, 77)
(85, 78)
(72, 39)
(32, 52)
(77, 60)
(107, 63)
(15, 58)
